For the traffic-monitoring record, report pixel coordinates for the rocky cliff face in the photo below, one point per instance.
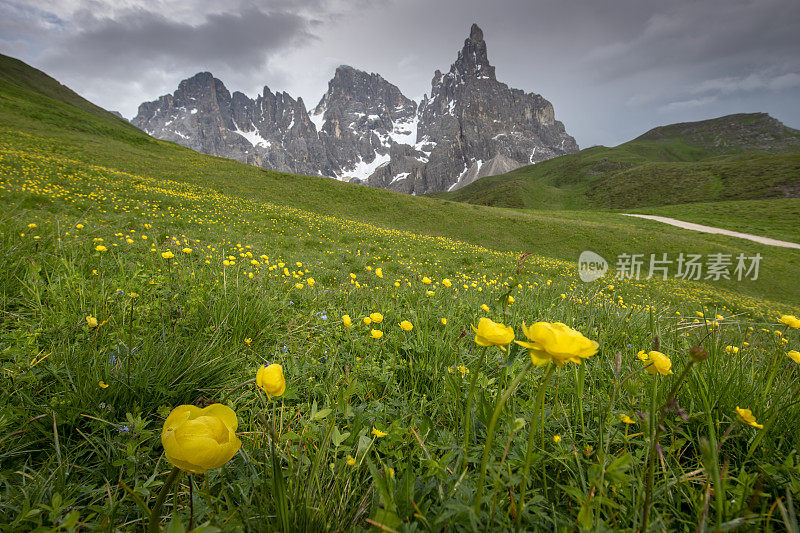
(365, 130)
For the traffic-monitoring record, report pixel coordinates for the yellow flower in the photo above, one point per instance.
(346, 321)
(167, 255)
(556, 342)
(661, 364)
(376, 333)
(464, 370)
(426, 280)
(187, 250)
(351, 460)
(642, 355)
(367, 320)
(310, 282)
(794, 355)
(270, 379)
(446, 282)
(31, 225)
(92, 321)
(746, 416)
(626, 419)
(100, 248)
(405, 325)
(790, 320)
(390, 470)
(196, 440)
(379, 272)
(511, 300)
(79, 226)
(298, 285)
(444, 321)
(732, 349)
(490, 333)
(248, 340)
(556, 438)
(376, 317)
(102, 384)
(378, 433)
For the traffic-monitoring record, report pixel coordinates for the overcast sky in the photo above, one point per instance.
(612, 69)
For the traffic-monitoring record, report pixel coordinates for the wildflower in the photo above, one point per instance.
(731, 349)
(79, 226)
(92, 321)
(346, 321)
(661, 364)
(405, 325)
(270, 379)
(351, 460)
(31, 225)
(446, 282)
(376, 333)
(429, 293)
(367, 320)
(248, 340)
(102, 384)
(556, 438)
(167, 255)
(310, 282)
(426, 280)
(100, 248)
(511, 300)
(379, 272)
(390, 471)
(485, 307)
(444, 321)
(556, 342)
(794, 355)
(626, 419)
(378, 433)
(746, 417)
(376, 317)
(790, 320)
(298, 286)
(490, 333)
(196, 440)
(464, 370)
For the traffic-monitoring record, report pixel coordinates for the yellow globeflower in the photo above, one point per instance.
(485, 307)
(367, 320)
(446, 282)
(556, 438)
(376, 317)
(351, 460)
(790, 320)
(100, 248)
(270, 379)
(379, 272)
(196, 440)
(794, 355)
(102, 384)
(92, 321)
(346, 321)
(444, 321)
(661, 364)
(626, 419)
(490, 333)
(557, 342)
(187, 250)
(426, 280)
(167, 255)
(378, 433)
(405, 325)
(376, 333)
(746, 416)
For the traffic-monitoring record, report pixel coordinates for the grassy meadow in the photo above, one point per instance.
(137, 276)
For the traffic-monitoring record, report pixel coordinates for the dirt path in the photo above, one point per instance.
(711, 229)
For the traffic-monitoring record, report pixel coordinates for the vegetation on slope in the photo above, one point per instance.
(738, 157)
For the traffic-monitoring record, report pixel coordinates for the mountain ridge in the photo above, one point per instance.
(365, 130)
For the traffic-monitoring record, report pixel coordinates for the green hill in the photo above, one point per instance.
(328, 327)
(736, 157)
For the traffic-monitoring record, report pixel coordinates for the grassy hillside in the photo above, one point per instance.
(722, 159)
(779, 219)
(137, 277)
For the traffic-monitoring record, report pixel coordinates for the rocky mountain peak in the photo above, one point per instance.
(472, 59)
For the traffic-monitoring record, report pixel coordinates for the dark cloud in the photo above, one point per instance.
(236, 40)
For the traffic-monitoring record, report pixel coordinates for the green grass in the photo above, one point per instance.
(238, 293)
(777, 219)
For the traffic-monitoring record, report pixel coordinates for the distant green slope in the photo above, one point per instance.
(737, 157)
(32, 122)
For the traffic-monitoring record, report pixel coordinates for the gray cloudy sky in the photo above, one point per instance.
(612, 69)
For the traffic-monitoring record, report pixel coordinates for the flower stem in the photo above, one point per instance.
(468, 410)
(490, 433)
(529, 453)
(155, 514)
